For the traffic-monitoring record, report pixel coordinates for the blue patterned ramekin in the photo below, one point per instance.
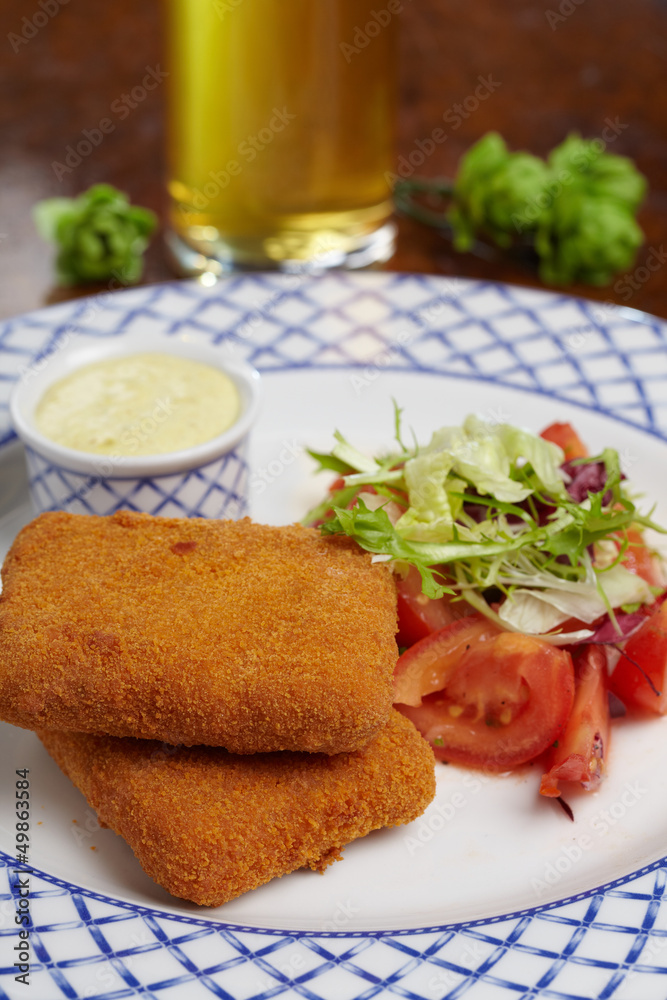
(209, 480)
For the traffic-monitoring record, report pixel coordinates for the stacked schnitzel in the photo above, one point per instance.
(208, 825)
(268, 651)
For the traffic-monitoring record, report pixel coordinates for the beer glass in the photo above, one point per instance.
(280, 133)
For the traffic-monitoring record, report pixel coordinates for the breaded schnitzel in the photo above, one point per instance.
(225, 633)
(208, 825)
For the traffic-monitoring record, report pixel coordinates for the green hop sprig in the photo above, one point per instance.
(588, 238)
(588, 231)
(492, 188)
(576, 210)
(99, 235)
(600, 174)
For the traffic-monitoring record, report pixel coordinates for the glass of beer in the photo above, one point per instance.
(280, 133)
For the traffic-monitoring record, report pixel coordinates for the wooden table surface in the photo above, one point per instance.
(557, 66)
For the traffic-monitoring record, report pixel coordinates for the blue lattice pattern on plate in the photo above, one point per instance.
(610, 360)
(96, 948)
(603, 357)
(218, 489)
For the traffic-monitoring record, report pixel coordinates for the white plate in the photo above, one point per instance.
(491, 894)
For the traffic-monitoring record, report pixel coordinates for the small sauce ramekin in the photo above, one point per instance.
(207, 480)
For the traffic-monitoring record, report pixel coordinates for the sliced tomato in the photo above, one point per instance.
(639, 559)
(483, 697)
(428, 665)
(579, 754)
(337, 484)
(419, 615)
(565, 436)
(640, 676)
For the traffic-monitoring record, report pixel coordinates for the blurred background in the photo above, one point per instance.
(534, 70)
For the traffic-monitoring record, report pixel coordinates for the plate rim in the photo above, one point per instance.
(458, 925)
(378, 278)
(80, 304)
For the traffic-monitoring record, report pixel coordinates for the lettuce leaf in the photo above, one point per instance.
(487, 506)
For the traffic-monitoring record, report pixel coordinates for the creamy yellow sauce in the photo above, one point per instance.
(139, 404)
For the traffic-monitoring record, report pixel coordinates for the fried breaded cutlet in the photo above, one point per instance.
(225, 633)
(208, 825)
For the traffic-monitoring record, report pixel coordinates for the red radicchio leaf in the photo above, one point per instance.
(608, 634)
(585, 478)
(616, 707)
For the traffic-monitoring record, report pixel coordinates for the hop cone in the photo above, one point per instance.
(588, 232)
(99, 235)
(496, 192)
(586, 238)
(585, 163)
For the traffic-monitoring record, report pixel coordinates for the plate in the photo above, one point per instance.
(492, 893)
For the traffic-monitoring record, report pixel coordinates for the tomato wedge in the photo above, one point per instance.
(419, 615)
(565, 436)
(639, 559)
(483, 697)
(427, 666)
(580, 753)
(640, 676)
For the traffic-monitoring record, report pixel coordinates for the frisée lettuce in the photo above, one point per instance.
(493, 514)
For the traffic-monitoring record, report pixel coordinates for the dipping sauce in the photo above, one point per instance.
(138, 404)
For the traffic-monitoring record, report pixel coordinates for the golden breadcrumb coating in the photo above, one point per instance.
(208, 825)
(225, 633)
